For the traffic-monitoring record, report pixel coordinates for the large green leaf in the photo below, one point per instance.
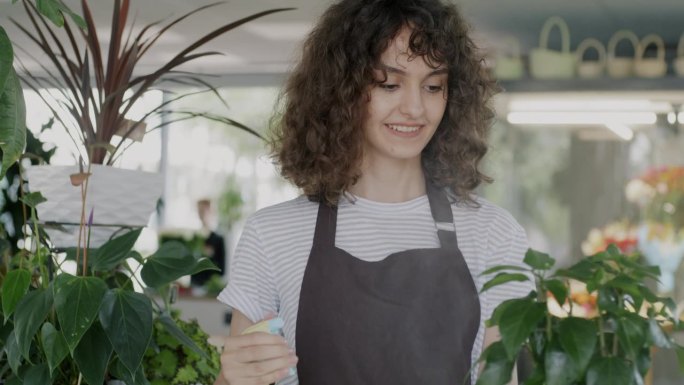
(12, 122)
(127, 320)
(631, 330)
(92, 354)
(610, 370)
(578, 339)
(538, 260)
(171, 261)
(6, 58)
(14, 287)
(203, 264)
(502, 278)
(121, 372)
(498, 367)
(29, 315)
(499, 268)
(560, 369)
(77, 301)
(13, 353)
(518, 321)
(54, 345)
(50, 9)
(558, 289)
(115, 251)
(33, 199)
(173, 329)
(37, 374)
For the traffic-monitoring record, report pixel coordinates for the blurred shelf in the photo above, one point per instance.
(668, 83)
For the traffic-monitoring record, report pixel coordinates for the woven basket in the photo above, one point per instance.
(550, 64)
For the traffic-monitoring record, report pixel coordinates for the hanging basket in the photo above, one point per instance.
(509, 64)
(121, 199)
(679, 60)
(655, 67)
(621, 66)
(590, 69)
(550, 64)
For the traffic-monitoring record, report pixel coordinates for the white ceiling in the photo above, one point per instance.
(269, 45)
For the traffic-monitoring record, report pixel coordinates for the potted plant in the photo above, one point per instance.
(600, 334)
(171, 362)
(94, 95)
(89, 324)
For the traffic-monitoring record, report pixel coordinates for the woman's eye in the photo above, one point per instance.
(388, 87)
(434, 89)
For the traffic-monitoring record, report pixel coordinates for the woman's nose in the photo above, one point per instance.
(412, 103)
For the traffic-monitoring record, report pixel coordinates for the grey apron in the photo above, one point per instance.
(411, 318)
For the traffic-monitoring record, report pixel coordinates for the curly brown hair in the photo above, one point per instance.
(317, 139)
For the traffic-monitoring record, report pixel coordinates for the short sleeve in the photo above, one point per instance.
(251, 288)
(508, 246)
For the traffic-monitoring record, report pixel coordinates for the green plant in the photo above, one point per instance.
(230, 204)
(611, 345)
(169, 361)
(12, 106)
(96, 94)
(61, 328)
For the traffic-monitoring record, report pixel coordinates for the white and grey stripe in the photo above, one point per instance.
(269, 261)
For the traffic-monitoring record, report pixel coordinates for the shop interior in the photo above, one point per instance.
(591, 105)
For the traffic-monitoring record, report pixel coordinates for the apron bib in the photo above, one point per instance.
(411, 318)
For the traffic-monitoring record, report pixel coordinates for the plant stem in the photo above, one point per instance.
(602, 337)
(621, 305)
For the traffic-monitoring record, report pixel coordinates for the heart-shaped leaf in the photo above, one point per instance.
(632, 333)
(498, 368)
(54, 345)
(29, 315)
(33, 199)
(92, 354)
(578, 338)
(115, 251)
(77, 302)
(37, 374)
(127, 320)
(521, 318)
(559, 368)
(538, 260)
(14, 287)
(13, 353)
(609, 370)
(171, 261)
(558, 289)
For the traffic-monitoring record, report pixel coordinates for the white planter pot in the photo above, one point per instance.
(120, 198)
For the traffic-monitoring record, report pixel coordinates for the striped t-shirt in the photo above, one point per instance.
(268, 265)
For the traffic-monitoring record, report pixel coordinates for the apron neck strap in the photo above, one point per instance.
(326, 222)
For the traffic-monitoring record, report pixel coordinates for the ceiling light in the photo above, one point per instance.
(584, 118)
(621, 130)
(589, 104)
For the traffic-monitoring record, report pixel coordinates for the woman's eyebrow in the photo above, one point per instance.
(399, 71)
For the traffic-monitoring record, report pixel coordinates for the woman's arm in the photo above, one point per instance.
(253, 359)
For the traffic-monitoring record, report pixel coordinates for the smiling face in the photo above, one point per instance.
(404, 110)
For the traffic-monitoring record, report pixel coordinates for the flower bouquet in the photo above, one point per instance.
(660, 194)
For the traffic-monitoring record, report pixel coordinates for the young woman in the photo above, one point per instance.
(375, 269)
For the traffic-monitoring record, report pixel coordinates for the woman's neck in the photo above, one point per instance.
(390, 182)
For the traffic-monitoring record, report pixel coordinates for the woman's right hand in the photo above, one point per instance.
(254, 359)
